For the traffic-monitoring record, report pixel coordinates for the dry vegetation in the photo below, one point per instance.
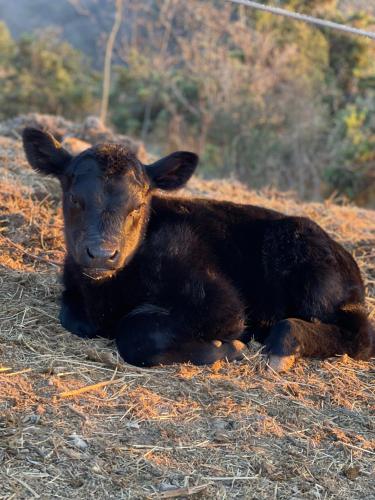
(227, 431)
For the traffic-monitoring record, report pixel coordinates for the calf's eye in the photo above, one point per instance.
(74, 200)
(136, 212)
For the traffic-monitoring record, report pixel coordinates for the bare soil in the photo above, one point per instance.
(77, 423)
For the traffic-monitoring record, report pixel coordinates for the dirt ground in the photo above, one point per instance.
(77, 423)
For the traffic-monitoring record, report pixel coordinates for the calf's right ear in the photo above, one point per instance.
(44, 153)
(173, 171)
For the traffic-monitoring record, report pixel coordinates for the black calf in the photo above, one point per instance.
(176, 280)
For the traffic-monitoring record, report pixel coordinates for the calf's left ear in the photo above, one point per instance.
(44, 153)
(173, 171)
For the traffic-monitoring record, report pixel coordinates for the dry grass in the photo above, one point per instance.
(75, 422)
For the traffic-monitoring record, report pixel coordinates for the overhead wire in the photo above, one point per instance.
(305, 18)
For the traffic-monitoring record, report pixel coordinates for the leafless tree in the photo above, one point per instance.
(108, 60)
(250, 91)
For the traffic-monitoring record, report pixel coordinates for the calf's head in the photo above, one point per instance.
(106, 196)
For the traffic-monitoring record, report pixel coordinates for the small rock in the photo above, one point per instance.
(133, 424)
(73, 454)
(220, 437)
(352, 472)
(31, 419)
(219, 424)
(78, 442)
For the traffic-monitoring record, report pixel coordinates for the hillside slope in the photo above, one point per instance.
(76, 422)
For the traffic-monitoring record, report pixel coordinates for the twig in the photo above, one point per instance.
(20, 481)
(170, 448)
(88, 388)
(77, 412)
(180, 492)
(230, 478)
(358, 448)
(20, 372)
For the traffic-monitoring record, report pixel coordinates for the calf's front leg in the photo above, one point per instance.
(73, 316)
(155, 337)
(203, 321)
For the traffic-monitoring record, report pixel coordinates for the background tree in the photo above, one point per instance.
(47, 75)
(108, 60)
(261, 98)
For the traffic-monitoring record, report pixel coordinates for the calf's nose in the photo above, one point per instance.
(102, 256)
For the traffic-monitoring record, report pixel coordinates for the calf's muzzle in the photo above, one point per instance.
(101, 256)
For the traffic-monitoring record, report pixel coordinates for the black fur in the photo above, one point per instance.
(194, 280)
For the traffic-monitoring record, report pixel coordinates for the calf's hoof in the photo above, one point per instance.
(281, 363)
(234, 350)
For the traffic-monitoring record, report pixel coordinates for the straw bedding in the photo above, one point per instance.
(76, 422)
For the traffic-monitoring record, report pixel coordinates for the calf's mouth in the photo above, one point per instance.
(97, 273)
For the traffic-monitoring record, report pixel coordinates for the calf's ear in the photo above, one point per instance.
(173, 171)
(44, 153)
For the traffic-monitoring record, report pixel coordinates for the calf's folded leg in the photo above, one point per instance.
(351, 333)
(292, 338)
(149, 339)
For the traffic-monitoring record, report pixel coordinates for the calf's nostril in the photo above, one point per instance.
(89, 253)
(114, 255)
(102, 254)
